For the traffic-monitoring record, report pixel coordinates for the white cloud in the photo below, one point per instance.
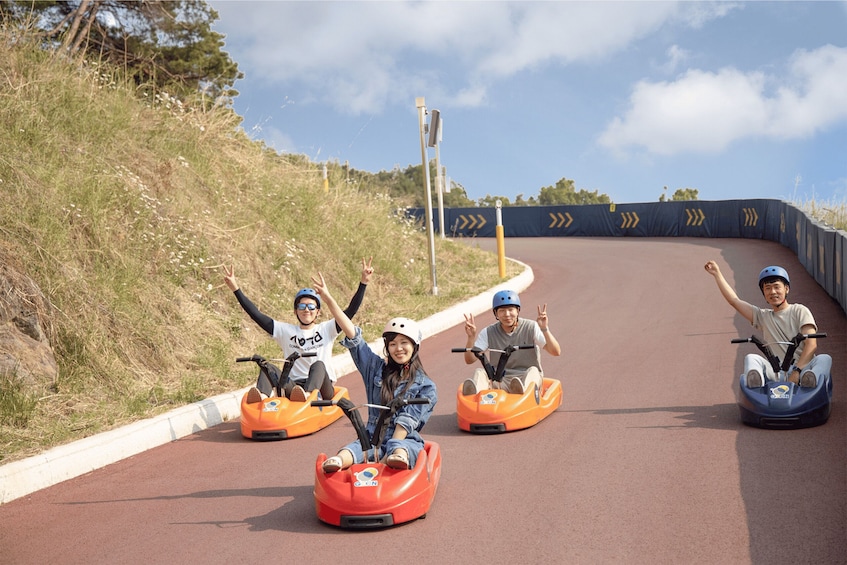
(698, 14)
(563, 32)
(676, 57)
(361, 56)
(705, 111)
(814, 94)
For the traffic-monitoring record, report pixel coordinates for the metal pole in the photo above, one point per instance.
(421, 105)
(439, 187)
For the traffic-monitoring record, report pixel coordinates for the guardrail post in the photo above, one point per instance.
(501, 244)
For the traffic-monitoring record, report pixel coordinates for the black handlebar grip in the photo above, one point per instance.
(243, 359)
(740, 340)
(822, 334)
(322, 403)
(417, 401)
(459, 349)
(309, 354)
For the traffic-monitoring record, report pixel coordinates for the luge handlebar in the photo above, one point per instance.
(494, 374)
(476, 349)
(751, 339)
(294, 356)
(771, 357)
(352, 412)
(400, 401)
(277, 377)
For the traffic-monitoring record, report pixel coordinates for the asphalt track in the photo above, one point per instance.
(645, 462)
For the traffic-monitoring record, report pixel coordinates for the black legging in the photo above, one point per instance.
(318, 379)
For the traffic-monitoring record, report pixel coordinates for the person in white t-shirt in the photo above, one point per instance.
(779, 323)
(306, 336)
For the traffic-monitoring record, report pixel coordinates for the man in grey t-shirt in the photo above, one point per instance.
(779, 324)
(523, 370)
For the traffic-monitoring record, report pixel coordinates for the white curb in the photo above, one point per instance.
(26, 476)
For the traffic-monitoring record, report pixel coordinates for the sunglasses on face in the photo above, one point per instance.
(309, 307)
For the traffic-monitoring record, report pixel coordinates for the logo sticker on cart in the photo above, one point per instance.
(366, 477)
(271, 406)
(780, 391)
(488, 398)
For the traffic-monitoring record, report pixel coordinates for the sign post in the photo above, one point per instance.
(421, 105)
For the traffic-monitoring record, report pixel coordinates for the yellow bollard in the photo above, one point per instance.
(501, 243)
(326, 179)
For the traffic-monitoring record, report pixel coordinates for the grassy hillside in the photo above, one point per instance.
(123, 211)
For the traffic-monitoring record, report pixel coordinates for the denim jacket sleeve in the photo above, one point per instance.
(414, 416)
(367, 362)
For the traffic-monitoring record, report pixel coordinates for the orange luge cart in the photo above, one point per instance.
(278, 417)
(373, 495)
(496, 411)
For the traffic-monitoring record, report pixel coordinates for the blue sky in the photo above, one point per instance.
(735, 99)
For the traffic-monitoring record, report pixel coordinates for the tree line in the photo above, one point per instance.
(407, 185)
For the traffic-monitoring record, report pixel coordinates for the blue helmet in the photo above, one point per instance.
(774, 271)
(306, 292)
(506, 298)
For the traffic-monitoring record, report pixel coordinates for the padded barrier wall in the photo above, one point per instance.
(819, 248)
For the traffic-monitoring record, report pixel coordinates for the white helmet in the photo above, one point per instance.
(406, 327)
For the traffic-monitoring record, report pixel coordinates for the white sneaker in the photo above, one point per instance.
(253, 395)
(298, 394)
(516, 386)
(332, 464)
(754, 379)
(808, 379)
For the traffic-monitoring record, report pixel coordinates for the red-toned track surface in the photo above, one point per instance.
(645, 462)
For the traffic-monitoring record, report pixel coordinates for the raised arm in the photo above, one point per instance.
(341, 319)
(742, 307)
(262, 320)
(356, 301)
(470, 330)
(552, 344)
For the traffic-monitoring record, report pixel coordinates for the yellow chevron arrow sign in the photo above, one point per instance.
(695, 217)
(559, 220)
(472, 221)
(751, 217)
(630, 220)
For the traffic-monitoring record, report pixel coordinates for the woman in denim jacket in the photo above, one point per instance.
(401, 374)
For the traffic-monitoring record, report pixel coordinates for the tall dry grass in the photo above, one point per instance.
(124, 210)
(829, 212)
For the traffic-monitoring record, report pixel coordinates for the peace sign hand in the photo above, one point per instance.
(229, 278)
(320, 286)
(542, 318)
(367, 270)
(470, 326)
